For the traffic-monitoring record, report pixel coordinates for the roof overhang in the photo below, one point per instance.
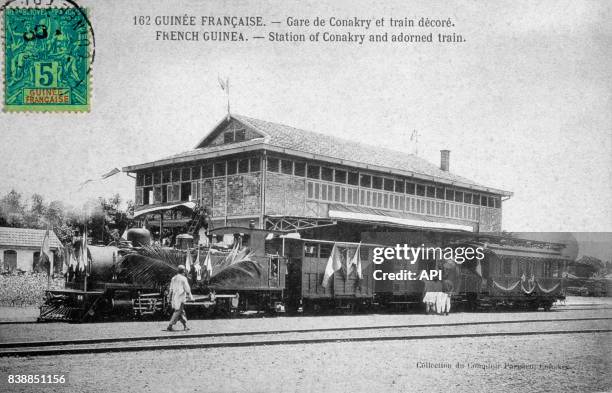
(408, 223)
(160, 208)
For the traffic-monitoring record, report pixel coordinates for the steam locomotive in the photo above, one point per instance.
(255, 270)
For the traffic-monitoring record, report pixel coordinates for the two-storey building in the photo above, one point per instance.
(250, 172)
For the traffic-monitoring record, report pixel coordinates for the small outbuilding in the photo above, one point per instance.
(20, 248)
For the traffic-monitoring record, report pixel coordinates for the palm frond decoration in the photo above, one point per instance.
(151, 265)
(237, 274)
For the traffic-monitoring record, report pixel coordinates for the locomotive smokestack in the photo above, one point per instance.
(444, 160)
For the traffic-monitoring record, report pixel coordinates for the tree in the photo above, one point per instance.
(12, 210)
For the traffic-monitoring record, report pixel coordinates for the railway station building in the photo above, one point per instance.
(258, 174)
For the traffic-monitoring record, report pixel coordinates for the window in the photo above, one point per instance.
(287, 167)
(353, 178)
(399, 186)
(147, 195)
(366, 181)
(431, 192)
(228, 137)
(491, 202)
(420, 190)
(410, 188)
(243, 166)
(164, 193)
(467, 198)
(186, 174)
(232, 167)
(185, 192)
(314, 171)
(449, 194)
(497, 203)
(207, 171)
(311, 250)
(195, 173)
(377, 182)
(9, 260)
(148, 179)
(327, 174)
(340, 176)
(458, 196)
(176, 175)
(483, 200)
(299, 169)
(166, 176)
(475, 199)
(388, 184)
(139, 179)
(255, 164)
(157, 177)
(273, 164)
(240, 135)
(440, 192)
(219, 169)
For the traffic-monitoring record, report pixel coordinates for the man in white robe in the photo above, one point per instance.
(179, 290)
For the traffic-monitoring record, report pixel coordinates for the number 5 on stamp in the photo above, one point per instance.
(47, 59)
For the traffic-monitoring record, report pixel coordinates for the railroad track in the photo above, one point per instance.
(171, 341)
(556, 308)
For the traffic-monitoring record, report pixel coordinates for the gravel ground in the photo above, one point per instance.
(563, 363)
(57, 331)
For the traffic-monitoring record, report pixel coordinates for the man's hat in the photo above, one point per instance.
(181, 268)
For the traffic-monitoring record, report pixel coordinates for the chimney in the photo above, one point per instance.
(444, 159)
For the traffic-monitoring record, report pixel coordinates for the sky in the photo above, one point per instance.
(524, 104)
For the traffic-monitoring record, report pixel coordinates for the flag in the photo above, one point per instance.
(334, 263)
(224, 84)
(83, 260)
(113, 171)
(208, 264)
(198, 267)
(72, 260)
(45, 253)
(356, 261)
(65, 260)
(479, 269)
(188, 261)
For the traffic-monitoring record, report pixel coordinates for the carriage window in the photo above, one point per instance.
(389, 184)
(410, 188)
(353, 178)
(311, 250)
(157, 177)
(420, 190)
(431, 192)
(186, 173)
(377, 182)
(176, 175)
(399, 186)
(439, 192)
(325, 250)
(274, 265)
(166, 176)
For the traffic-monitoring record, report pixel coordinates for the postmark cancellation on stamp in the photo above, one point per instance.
(47, 59)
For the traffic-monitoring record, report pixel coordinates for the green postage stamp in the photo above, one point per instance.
(47, 59)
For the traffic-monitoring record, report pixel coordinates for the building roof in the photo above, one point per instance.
(26, 237)
(313, 145)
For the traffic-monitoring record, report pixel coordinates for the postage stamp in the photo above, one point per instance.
(47, 59)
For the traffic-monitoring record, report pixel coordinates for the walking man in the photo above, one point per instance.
(179, 289)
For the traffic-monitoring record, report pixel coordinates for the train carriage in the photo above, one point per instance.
(346, 289)
(518, 274)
